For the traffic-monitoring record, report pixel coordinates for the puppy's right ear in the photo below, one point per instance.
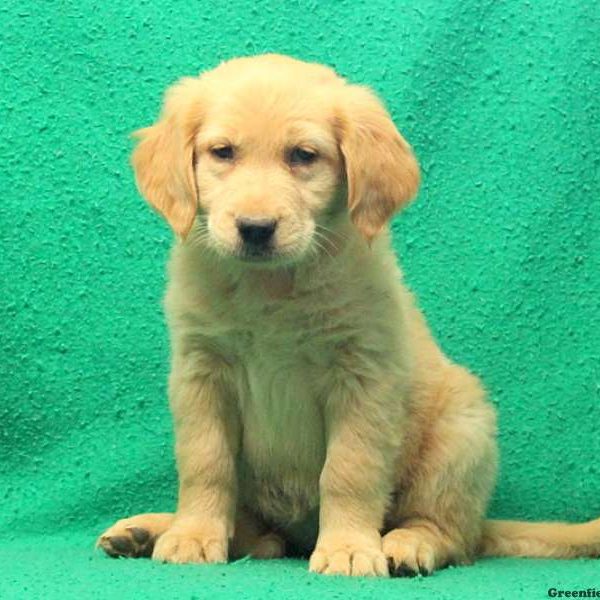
(163, 160)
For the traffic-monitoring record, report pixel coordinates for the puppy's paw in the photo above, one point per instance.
(126, 540)
(408, 553)
(349, 553)
(199, 545)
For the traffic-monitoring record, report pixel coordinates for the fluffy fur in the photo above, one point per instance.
(313, 410)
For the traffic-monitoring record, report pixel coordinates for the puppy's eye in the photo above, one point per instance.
(302, 156)
(223, 152)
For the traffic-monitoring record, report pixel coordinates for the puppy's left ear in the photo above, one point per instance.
(381, 170)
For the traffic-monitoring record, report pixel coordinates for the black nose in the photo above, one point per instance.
(256, 232)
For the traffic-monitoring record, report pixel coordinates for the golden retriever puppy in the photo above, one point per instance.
(312, 408)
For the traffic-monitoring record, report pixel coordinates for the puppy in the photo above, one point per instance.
(313, 410)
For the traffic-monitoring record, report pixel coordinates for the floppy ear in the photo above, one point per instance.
(163, 161)
(381, 170)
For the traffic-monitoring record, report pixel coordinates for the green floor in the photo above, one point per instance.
(68, 567)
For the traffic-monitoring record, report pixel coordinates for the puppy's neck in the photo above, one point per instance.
(273, 284)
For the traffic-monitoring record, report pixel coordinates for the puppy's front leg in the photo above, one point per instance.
(356, 481)
(206, 442)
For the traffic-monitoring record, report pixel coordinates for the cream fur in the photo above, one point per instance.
(312, 408)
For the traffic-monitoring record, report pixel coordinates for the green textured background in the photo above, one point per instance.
(500, 101)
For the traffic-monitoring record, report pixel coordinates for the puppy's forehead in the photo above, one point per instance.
(258, 96)
(253, 106)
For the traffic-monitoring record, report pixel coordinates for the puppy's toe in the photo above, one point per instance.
(408, 554)
(349, 553)
(190, 547)
(127, 542)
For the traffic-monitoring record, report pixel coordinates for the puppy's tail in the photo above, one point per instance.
(540, 540)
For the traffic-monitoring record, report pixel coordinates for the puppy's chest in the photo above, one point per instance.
(281, 352)
(280, 404)
(278, 379)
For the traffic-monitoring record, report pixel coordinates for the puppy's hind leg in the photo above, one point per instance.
(134, 537)
(444, 488)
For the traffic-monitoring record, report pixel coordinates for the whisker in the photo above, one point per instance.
(325, 241)
(332, 231)
(320, 246)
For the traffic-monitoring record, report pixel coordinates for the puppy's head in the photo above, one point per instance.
(261, 157)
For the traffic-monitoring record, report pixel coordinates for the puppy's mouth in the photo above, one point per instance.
(256, 255)
(268, 255)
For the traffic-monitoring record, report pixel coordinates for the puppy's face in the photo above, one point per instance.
(267, 169)
(263, 153)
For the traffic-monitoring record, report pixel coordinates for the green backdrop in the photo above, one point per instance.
(500, 101)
